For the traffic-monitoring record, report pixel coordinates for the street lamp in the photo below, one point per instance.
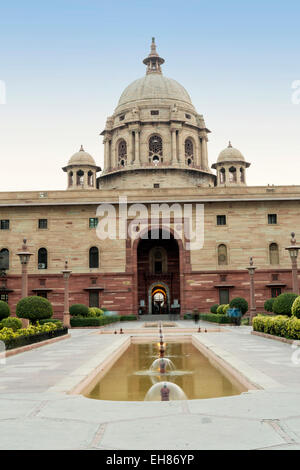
(24, 256)
(293, 250)
(66, 275)
(251, 270)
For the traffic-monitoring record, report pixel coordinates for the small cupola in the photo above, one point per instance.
(82, 171)
(231, 167)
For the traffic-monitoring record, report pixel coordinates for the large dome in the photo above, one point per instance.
(154, 86)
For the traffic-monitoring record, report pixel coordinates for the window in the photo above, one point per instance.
(224, 296)
(42, 258)
(221, 219)
(4, 297)
(154, 112)
(4, 259)
(122, 153)
(43, 224)
(275, 292)
(222, 176)
(274, 253)
(121, 118)
(4, 225)
(94, 257)
(188, 116)
(155, 149)
(189, 151)
(42, 293)
(91, 179)
(93, 222)
(80, 178)
(94, 299)
(222, 255)
(71, 178)
(232, 174)
(272, 219)
(242, 175)
(156, 185)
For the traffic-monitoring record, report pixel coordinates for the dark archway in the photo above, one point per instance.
(158, 269)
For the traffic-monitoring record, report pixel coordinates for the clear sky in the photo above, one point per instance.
(66, 62)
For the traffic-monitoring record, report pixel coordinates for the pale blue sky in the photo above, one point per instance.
(65, 64)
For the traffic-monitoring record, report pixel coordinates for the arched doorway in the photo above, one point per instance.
(158, 273)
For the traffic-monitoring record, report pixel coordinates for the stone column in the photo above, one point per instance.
(132, 150)
(174, 147)
(107, 162)
(180, 149)
(137, 147)
(204, 153)
(200, 153)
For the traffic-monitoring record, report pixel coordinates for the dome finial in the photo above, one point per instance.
(81, 149)
(153, 61)
(229, 145)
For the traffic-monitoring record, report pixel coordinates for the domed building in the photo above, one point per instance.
(155, 138)
(158, 230)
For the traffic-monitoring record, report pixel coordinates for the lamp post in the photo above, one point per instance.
(293, 250)
(251, 270)
(24, 256)
(66, 275)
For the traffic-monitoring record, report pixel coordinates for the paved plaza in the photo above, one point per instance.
(36, 411)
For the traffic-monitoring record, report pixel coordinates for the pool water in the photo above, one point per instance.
(130, 378)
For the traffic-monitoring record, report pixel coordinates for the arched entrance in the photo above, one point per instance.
(158, 273)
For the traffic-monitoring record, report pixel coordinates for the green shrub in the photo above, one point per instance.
(268, 306)
(34, 308)
(240, 303)
(296, 308)
(56, 322)
(215, 318)
(79, 310)
(279, 325)
(225, 308)
(4, 310)
(11, 322)
(213, 309)
(220, 309)
(283, 304)
(128, 318)
(99, 312)
(78, 322)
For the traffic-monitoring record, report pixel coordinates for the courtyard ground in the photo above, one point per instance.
(37, 413)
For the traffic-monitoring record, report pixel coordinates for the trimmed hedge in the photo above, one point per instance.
(220, 309)
(216, 318)
(283, 304)
(214, 308)
(279, 325)
(93, 321)
(11, 322)
(4, 310)
(51, 320)
(34, 308)
(32, 339)
(268, 306)
(79, 310)
(296, 307)
(128, 318)
(240, 303)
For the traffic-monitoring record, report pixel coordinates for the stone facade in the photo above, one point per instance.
(119, 274)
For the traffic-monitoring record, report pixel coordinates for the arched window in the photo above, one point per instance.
(71, 178)
(158, 260)
(80, 178)
(274, 253)
(122, 153)
(91, 179)
(242, 175)
(222, 176)
(94, 257)
(222, 255)
(42, 258)
(189, 151)
(155, 149)
(4, 259)
(232, 174)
